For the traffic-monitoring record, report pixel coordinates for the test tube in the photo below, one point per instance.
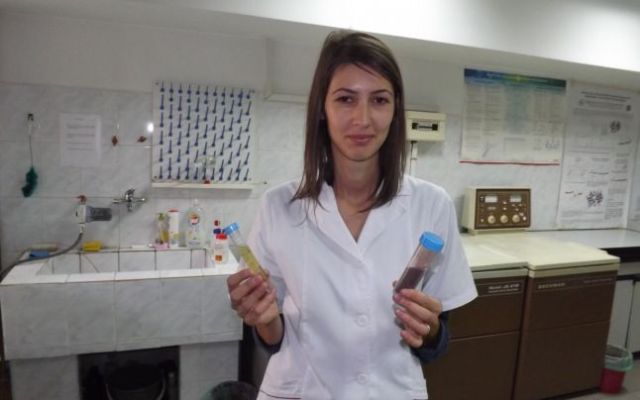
(428, 248)
(241, 250)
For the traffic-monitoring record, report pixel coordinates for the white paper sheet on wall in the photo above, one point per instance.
(202, 133)
(600, 146)
(511, 118)
(634, 206)
(80, 138)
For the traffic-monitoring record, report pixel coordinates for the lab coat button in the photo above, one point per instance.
(362, 379)
(362, 320)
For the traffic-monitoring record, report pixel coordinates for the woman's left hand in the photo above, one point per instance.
(419, 314)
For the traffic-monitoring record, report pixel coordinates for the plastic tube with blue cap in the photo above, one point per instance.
(242, 252)
(428, 248)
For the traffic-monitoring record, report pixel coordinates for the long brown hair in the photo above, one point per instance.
(366, 51)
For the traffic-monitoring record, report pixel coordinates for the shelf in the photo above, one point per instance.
(184, 185)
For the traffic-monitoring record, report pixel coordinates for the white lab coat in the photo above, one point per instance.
(340, 340)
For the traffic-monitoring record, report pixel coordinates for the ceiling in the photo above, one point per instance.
(187, 16)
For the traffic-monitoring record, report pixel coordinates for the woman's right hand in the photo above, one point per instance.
(252, 297)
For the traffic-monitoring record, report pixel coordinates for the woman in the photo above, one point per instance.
(335, 243)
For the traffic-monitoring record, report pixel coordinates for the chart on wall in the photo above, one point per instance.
(598, 162)
(511, 118)
(202, 133)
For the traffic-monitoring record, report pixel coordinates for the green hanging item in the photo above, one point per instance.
(32, 176)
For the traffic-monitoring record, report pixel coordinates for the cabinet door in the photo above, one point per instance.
(633, 335)
(620, 313)
(478, 368)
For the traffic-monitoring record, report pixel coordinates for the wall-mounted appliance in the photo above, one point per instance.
(425, 126)
(489, 209)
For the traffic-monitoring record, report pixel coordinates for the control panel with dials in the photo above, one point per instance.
(496, 208)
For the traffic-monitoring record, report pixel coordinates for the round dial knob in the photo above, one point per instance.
(491, 219)
(504, 219)
(515, 218)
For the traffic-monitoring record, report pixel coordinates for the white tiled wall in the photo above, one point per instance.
(47, 216)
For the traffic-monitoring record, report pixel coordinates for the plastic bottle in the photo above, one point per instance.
(162, 231)
(194, 231)
(241, 250)
(174, 228)
(428, 248)
(221, 249)
(216, 230)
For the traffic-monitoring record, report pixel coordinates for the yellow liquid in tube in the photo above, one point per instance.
(245, 256)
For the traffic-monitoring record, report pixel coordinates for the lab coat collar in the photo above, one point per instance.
(328, 220)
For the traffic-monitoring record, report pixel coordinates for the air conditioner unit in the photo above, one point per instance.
(425, 126)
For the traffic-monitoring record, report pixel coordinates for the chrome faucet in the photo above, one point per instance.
(129, 199)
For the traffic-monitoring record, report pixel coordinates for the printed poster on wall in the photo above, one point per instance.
(80, 136)
(597, 166)
(510, 118)
(634, 206)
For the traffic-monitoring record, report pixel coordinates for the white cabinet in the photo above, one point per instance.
(619, 326)
(624, 330)
(633, 333)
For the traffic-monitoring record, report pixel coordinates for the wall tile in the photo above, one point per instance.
(173, 259)
(23, 272)
(54, 179)
(30, 327)
(14, 165)
(58, 221)
(66, 264)
(98, 181)
(218, 362)
(138, 310)
(98, 262)
(218, 319)
(137, 226)
(180, 311)
(203, 366)
(91, 315)
(137, 261)
(50, 378)
(134, 111)
(198, 258)
(280, 126)
(16, 101)
(46, 269)
(21, 223)
(134, 169)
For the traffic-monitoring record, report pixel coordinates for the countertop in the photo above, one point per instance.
(617, 241)
(600, 238)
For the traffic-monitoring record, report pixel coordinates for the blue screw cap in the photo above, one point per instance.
(230, 229)
(432, 242)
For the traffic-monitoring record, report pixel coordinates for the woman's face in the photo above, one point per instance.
(359, 109)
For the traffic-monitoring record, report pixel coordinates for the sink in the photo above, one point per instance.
(116, 300)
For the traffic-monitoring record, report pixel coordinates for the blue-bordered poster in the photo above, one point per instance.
(511, 118)
(202, 133)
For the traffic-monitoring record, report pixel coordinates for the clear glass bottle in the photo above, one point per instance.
(241, 250)
(429, 246)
